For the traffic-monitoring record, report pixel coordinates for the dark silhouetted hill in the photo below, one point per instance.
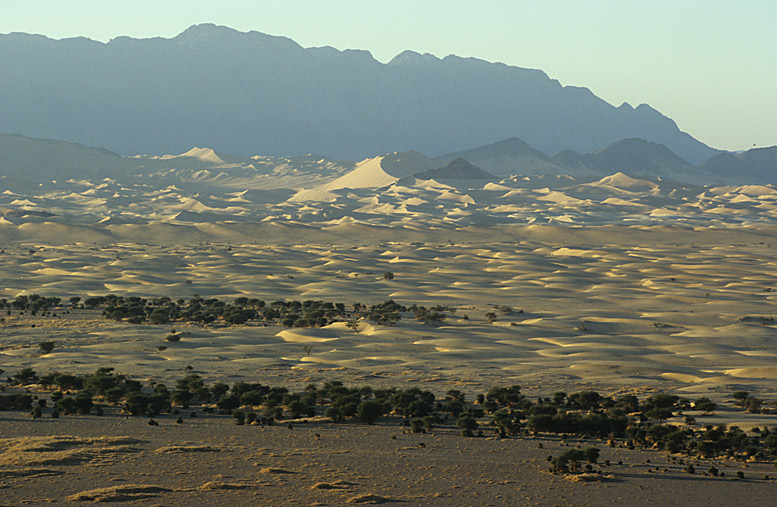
(640, 157)
(510, 156)
(457, 169)
(25, 158)
(757, 164)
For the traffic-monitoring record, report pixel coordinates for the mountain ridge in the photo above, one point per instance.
(248, 92)
(35, 160)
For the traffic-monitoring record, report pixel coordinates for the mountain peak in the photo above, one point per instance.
(409, 57)
(638, 156)
(209, 33)
(205, 31)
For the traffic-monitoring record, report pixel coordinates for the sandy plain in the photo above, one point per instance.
(210, 461)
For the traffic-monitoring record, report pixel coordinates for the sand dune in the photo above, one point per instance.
(574, 309)
(549, 282)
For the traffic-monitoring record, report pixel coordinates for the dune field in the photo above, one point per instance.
(618, 285)
(694, 317)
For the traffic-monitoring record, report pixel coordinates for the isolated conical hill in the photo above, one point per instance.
(507, 157)
(638, 157)
(248, 93)
(457, 169)
(569, 158)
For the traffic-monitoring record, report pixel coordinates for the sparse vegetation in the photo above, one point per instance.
(503, 410)
(46, 347)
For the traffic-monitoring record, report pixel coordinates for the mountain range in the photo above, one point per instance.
(247, 93)
(73, 193)
(30, 162)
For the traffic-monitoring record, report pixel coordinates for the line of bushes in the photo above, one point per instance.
(163, 310)
(505, 411)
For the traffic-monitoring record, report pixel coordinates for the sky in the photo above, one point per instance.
(710, 65)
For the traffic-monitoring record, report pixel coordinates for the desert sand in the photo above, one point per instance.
(208, 461)
(617, 310)
(617, 285)
(693, 317)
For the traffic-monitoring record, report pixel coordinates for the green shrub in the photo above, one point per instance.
(369, 411)
(25, 376)
(46, 347)
(335, 413)
(228, 403)
(15, 402)
(467, 423)
(239, 417)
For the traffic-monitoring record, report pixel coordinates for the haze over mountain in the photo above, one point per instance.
(28, 162)
(100, 196)
(248, 93)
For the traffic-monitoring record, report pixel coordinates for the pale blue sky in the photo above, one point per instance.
(709, 65)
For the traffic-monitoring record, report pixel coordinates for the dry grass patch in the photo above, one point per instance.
(62, 450)
(125, 493)
(370, 499)
(29, 472)
(588, 477)
(332, 485)
(218, 485)
(176, 449)
(275, 471)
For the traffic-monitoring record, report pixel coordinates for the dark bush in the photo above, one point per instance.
(369, 411)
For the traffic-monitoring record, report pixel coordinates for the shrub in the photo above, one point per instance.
(467, 423)
(46, 347)
(507, 423)
(26, 376)
(239, 416)
(591, 454)
(15, 402)
(138, 403)
(253, 398)
(228, 403)
(368, 411)
(567, 461)
(335, 413)
(706, 405)
(297, 409)
(68, 382)
(82, 404)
